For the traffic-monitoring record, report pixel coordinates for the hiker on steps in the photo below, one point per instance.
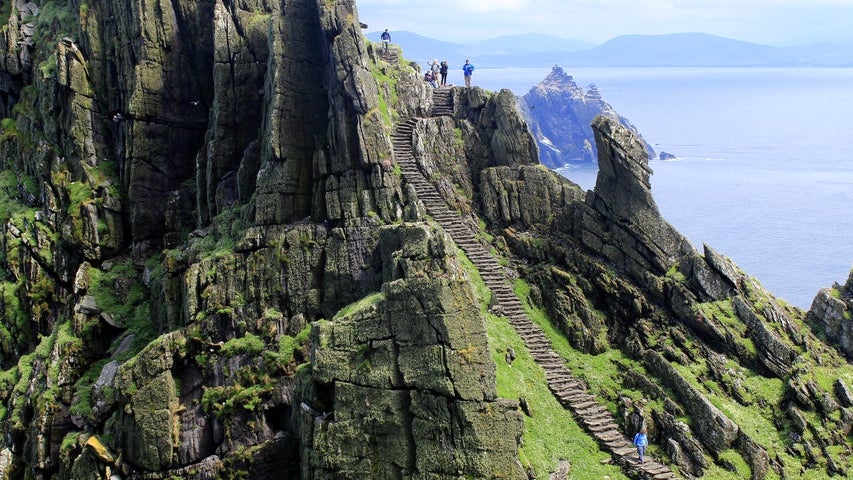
(443, 71)
(640, 441)
(386, 39)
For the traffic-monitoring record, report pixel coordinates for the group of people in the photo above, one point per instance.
(436, 74)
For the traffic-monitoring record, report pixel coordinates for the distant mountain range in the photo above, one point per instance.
(672, 50)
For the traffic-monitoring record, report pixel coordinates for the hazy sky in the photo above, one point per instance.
(772, 22)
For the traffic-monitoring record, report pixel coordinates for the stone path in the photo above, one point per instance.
(391, 56)
(568, 389)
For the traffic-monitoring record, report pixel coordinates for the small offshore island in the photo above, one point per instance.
(241, 241)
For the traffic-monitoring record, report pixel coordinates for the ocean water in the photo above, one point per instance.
(765, 161)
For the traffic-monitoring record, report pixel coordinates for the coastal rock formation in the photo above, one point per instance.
(831, 314)
(214, 264)
(407, 372)
(559, 113)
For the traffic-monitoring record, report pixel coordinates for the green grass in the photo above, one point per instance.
(371, 299)
(9, 203)
(287, 345)
(551, 434)
(753, 420)
(5, 11)
(386, 80)
(121, 293)
(56, 19)
(457, 138)
(249, 344)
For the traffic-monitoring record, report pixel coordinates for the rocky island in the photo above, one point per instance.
(559, 112)
(238, 241)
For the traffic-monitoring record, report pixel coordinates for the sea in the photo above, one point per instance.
(764, 168)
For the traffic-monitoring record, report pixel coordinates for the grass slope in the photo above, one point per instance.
(551, 433)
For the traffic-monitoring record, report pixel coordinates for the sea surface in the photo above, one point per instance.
(764, 173)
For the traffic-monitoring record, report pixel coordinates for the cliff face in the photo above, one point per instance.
(198, 184)
(559, 113)
(233, 240)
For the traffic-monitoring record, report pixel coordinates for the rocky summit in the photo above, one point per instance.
(559, 112)
(241, 241)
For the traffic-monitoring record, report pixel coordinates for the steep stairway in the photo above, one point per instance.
(570, 391)
(442, 102)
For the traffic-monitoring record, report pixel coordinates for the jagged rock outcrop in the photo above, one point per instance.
(408, 374)
(559, 113)
(831, 314)
(679, 300)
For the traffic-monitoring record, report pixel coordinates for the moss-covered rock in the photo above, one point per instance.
(402, 383)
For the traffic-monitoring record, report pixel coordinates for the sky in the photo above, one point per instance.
(770, 22)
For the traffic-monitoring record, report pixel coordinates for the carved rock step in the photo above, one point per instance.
(625, 451)
(559, 380)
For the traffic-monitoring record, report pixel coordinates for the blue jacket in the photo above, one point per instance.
(640, 440)
(467, 69)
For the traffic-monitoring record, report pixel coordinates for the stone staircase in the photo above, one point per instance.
(392, 56)
(570, 391)
(442, 102)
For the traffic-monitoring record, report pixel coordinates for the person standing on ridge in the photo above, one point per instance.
(386, 39)
(640, 441)
(443, 71)
(435, 69)
(467, 69)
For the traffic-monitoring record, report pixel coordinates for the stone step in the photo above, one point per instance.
(606, 429)
(579, 397)
(656, 468)
(566, 387)
(611, 445)
(601, 428)
(603, 416)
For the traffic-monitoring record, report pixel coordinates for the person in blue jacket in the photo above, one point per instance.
(640, 441)
(467, 69)
(386, 39)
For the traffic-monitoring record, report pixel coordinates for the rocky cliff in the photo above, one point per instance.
(559, 113)
(240, 243)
